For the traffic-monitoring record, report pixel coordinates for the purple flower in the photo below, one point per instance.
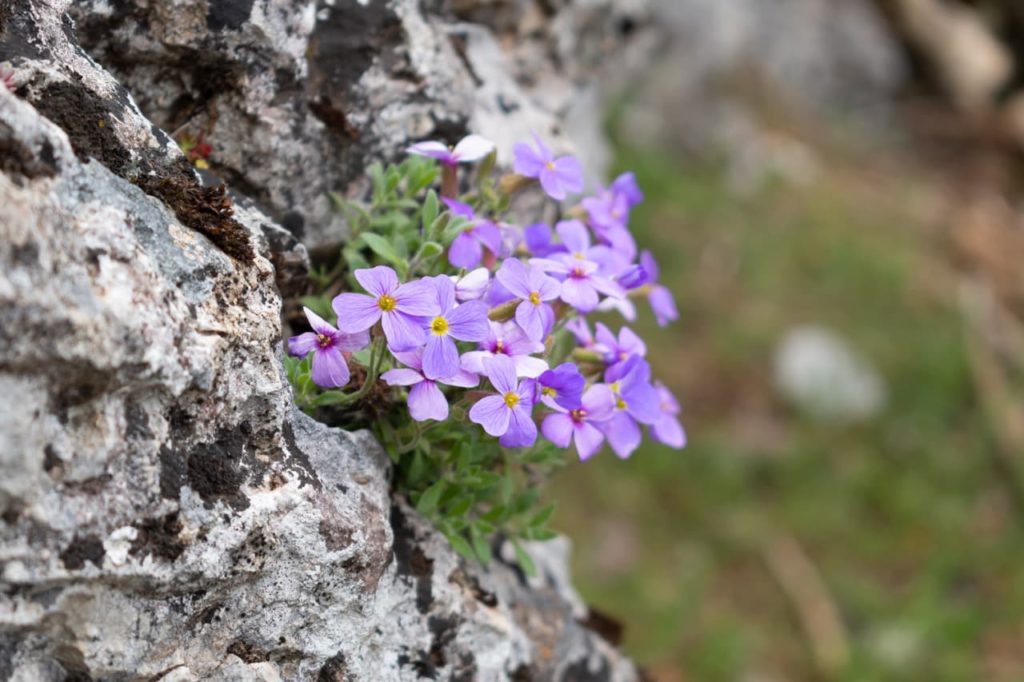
(635, 401)
(467, 248)
(558, 176)
(467, 322)
(539, 242)
(662, 302)
(667, 429)
(425, 399)
(581, 330)
(565, 426)
(397, 305)
(506, 414)
(632, 277)
(472, 285)
(533, 288)
(508, 340)
(609, 210)
(330, 370)
(627, 186)
(469, 148)
(561, 386)
(579, 268)
(621, 349)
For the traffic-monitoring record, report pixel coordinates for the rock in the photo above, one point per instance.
(165, 513)
(297, 97)
(819, 373)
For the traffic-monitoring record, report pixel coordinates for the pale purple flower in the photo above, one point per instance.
(567, 426)
(609, 210)
(662, 302)
(579, 268)
(627, 186)
(330, 369)
(581, 330)
(507, 413)
(472, 285)
(620, 349)
(667, 429)
(467, 248)
(636, 400)
(558, 176)
(470, 148)
(534, 289)
(426, 401)
(561, 386)
(509, 340)
(466, 322)
(397, 305)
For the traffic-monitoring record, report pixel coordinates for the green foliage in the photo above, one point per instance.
(473, 490)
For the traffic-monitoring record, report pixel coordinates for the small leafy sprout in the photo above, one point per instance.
(458, 331)
(196, 149)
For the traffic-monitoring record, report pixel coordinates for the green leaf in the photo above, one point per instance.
(459, 506)
(480, 545)
(382, 247)
(543, 516)
(524, 559)
(460, 545)
(430, 497)
(430, 210)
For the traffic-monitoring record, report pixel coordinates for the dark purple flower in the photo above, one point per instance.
(507, 413)
(426, 401)
(330, 370)
(398, 306)
(539, 242)
(509, 340)
(632, 277)
(562, 386)
(467, 248)
(662, 302)
(534, 289)
(620, 349)
(566, 426)
(667, 429)
(469, 148)
(558, 176)
(627, 186)
(466, 322)
(636, 400)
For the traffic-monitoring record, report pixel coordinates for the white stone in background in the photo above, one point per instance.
(818, 371)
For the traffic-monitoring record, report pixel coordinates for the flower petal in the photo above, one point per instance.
(663, 305)
(580, 294)
(401, 377)
(432, 148)
(630, 342)
(588, 440)
(319, 324)
(329, 368)
(473, 361)
(471, 286)
(514, 277)
(551, 184)
(469, 322)
(502, 372)
(356, 312)
(529, 367)
(599, 403)
(440, 357)
(462, 379)
(465, 251)
(669, 431)
(492, 414)
(649, 265)
(473, 148)
(378, 281)
(570, 173)
(350, 343)
(426, 401)
(412, 359)
(445, 293)
(402, 331)
(417, 298)
(302, 345)
(526, 161)
(522, 432)
(557, 428)
(623, 434)
(530, 320)
(574, 235)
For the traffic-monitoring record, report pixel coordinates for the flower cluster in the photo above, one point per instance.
(492, 318)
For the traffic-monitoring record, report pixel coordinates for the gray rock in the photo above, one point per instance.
(164, 511)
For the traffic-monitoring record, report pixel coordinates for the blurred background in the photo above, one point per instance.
(835, 189)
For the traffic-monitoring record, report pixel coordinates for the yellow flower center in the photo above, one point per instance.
(439, 326)
(579, 256)
(323, 340)
(550, 165)
(548, 391)
(620, 403)
(511, 399)
(615, 387)
(386, 303)
(535, 298)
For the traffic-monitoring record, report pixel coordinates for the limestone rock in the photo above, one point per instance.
(164, 512)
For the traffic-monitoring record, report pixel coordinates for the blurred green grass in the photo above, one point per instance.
(914, 532)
